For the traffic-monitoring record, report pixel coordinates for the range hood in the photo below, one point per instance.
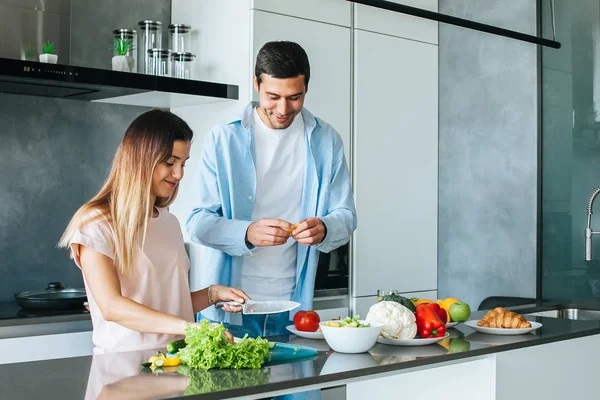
(99, 85)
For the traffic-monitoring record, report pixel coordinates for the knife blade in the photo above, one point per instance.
(262, 306)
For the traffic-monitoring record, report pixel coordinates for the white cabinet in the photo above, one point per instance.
(396, 24)
(46, 347)
(328, 95)
(396, 164)
(335, 12)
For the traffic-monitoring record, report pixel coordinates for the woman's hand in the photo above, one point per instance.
(226, 293)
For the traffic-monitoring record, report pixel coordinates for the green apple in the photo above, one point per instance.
(459, 311)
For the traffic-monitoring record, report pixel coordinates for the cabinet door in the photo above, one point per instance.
(46, 347)
(396, 164)
(396, 24)
(331, 11)
(328, 94)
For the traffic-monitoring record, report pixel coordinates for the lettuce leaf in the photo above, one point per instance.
(207, 348)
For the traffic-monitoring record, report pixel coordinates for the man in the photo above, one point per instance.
(274, 191)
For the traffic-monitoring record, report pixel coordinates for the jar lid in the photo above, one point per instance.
(182, 28)
(182, 56)
(149, 24)
(128, 33)
(163, 53)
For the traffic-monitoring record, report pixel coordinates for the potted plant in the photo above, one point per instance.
(48, 54)
(123, 61)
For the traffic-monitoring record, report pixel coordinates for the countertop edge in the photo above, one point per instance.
(383, 369)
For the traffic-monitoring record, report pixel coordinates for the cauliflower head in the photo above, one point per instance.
(398, 321)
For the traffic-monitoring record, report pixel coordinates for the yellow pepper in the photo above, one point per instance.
(422, 301)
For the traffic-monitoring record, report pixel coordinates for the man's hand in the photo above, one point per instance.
(309, 232)
(269, 232)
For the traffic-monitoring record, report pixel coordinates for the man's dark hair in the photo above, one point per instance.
(282, 60)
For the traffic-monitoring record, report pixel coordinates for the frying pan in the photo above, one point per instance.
(55, 297)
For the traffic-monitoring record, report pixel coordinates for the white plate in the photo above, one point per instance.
(451, 324)
(411, 342)
(503, 331)
(306, 335)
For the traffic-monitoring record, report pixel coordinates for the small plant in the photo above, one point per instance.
(48, 48)
(122, 46)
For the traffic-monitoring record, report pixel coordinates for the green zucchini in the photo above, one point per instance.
(174, 347)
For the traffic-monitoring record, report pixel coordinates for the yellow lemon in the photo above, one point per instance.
(447, 302)
(172, 361)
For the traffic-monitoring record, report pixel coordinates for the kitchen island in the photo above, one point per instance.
(467, 365)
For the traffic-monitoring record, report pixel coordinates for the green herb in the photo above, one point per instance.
(48, 48)
(122, 46)
(211, 381)
(208, 348)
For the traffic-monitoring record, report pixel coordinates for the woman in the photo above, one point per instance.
(130, 248)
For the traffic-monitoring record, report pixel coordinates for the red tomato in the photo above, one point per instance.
(307, 321)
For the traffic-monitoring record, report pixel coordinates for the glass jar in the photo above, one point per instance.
(150, 37)
(182, 65)
(180, 36)
(158, 62)
(124, 42)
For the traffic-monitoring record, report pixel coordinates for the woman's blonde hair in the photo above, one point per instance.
(124, 199)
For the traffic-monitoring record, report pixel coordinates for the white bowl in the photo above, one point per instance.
(351, 340)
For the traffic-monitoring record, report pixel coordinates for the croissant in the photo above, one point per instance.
(502, 318)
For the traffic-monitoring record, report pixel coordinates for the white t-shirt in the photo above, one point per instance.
(269, 273)
(159, 280)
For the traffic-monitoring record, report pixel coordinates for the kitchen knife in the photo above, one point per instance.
(262, 307)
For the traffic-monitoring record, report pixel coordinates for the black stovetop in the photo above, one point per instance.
(10, 310)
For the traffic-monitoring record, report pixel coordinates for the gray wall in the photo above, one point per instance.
(93, 21)
(54, 156)
(487, 153)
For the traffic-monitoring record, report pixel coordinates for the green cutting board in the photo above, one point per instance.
(285, 352)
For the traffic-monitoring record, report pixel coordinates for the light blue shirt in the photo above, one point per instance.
(227, 188)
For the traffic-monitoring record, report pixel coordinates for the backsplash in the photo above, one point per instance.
(55, 155)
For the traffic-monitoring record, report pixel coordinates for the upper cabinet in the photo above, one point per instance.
(328, 95)
(396, 153)
(396, 24)
(335, 12)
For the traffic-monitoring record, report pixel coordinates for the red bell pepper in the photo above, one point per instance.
(440, 312)
(428, 323)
